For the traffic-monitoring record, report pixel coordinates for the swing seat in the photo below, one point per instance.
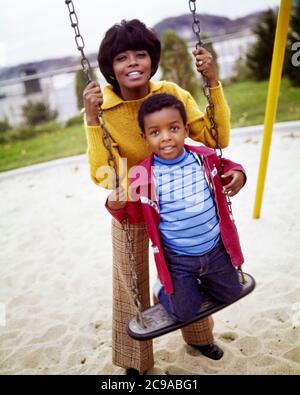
(158, 322)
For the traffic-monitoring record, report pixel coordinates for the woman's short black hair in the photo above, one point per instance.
(157, 102)
(124, 36)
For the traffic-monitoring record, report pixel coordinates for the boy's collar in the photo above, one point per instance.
(111, 99)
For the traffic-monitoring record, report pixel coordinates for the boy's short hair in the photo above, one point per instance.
(124, 36)
(157, 102)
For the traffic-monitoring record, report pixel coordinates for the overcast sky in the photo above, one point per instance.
(33, 30)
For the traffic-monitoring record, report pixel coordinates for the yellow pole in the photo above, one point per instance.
(272, 98)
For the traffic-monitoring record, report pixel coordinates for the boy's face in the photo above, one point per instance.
(165, 132)
(132, 69)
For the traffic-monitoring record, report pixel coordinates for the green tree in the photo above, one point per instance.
(176, 63)
(291, 70)
(80, 84)
(259, 57)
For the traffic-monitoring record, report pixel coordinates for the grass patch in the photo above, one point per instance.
(247, 102)
(44, 147)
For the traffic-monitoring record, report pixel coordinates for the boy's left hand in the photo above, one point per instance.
(236, 184)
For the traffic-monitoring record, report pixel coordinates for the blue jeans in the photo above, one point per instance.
(213, 270)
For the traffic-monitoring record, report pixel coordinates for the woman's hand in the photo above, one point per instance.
(205, 64)
(117, 199)
(237, 182)
(92, 100)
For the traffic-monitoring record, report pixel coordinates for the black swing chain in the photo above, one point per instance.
(107, 141)
(210, 109)
(196, 23)
(111, 160)
(79, 41)
(206, 89)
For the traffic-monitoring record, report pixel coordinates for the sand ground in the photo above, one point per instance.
(55, 273)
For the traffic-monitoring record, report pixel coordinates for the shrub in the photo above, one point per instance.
(37, 112)
(4, 125)
(76, 120)
(26, 132)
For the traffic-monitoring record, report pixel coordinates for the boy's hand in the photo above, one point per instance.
(205, 64)
(236, 184)
(92, 100)
(117, 199)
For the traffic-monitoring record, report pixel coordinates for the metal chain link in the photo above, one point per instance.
(111, 160)
(107, 142)
(133, 268)
(196, 23)
(106, 138)
(210, 109)
(79, 40)
(206, 89)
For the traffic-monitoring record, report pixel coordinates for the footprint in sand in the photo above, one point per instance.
(165, 356)
(249, 345)
(97, 324)
(228, 337)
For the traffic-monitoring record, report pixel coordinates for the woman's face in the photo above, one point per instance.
(132, 70)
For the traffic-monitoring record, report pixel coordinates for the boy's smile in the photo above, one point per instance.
(165, 132)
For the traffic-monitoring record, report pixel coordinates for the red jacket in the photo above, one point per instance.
(146, 209)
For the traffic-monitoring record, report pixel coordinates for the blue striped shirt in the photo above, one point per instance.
(189, 223)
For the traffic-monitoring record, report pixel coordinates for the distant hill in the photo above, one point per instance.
(211, 25)
(42, 66)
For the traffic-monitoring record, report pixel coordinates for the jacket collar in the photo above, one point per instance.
(111, 99)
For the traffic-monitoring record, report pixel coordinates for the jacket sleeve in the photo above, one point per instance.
(132, 211)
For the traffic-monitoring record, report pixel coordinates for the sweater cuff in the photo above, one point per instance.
(217, 94)
(94, 136)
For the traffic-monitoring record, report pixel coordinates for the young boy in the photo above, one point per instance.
(183, 204)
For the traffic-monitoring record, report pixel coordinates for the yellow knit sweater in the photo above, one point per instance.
(121, 121)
